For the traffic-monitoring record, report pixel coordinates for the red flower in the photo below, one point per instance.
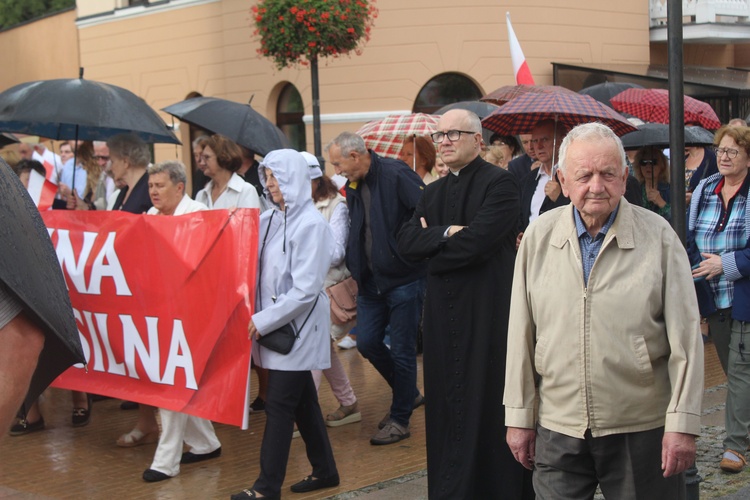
(293, 10)
(350, 30)
(312, 44)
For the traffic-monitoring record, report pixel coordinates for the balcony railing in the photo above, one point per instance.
(703, 11)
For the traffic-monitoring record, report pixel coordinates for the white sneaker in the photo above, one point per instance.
(347, 343)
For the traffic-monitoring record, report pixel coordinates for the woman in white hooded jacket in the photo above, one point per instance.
(296, 248)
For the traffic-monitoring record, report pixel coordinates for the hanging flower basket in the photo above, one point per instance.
(295, 32)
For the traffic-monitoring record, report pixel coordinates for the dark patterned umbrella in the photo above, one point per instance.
(521, 115)
(652, 105)
(509, 92)
(603, 92)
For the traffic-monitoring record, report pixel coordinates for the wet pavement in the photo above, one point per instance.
(63, 462)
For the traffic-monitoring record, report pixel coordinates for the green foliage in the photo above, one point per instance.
(14, 12)
(296, 31)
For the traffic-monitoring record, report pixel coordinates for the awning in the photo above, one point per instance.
(727, 90)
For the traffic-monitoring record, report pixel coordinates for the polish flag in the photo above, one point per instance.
(520, 68)
(42, 191)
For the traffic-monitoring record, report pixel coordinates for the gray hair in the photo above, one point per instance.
(473, 123)
(131, 148)
(175, 169)
(200, 140)
(591, 132)
(348, 142)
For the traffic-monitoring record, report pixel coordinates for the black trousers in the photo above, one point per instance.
(291, 398)
(625, 466)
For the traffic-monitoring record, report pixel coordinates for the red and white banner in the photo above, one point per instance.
(41, 190)
(520, 68)
(162, 306)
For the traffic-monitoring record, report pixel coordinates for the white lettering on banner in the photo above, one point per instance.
(99, 269)
(134, 348)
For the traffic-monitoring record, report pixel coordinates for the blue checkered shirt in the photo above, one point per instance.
(720, 231)
(590, 247)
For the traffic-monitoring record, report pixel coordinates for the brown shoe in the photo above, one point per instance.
(729, 465)
(344, 415)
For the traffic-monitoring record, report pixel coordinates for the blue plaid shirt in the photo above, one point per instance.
(590, 247)
(719, 231)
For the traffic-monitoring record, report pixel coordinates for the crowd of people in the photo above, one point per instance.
(504, 255)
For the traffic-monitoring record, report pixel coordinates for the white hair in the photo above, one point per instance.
(591, 132)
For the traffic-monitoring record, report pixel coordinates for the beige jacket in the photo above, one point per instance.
(621, 355)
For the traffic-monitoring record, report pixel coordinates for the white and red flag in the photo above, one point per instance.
(520, 68)
(41, 190)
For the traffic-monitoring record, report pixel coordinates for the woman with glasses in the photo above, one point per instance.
(652, 171)
(507, 146)
(221, 158)
(719, 250)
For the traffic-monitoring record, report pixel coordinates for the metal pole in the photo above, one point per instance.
(676, 117)
(316, 105)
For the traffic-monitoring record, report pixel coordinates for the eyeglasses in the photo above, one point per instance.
(101, 157)
(206, 157)
(731, 153)
(453, 135)
(499, 143)
(647, 162)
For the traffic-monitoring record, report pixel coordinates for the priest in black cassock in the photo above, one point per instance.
(465, 228)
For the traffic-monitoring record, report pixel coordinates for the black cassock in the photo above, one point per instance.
(465, 330)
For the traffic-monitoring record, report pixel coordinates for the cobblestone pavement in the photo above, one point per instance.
(66, 463)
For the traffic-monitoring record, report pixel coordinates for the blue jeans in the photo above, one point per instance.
(399, 309)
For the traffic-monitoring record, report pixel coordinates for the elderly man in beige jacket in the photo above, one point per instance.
(604, 372)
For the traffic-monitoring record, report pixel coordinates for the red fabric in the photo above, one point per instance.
(166, 325)
(387, 135)
(652, 105)
(523, 76)
(509, 92)
(520, 115)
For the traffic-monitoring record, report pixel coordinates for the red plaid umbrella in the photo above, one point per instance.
(385, 136)
(521, 115)
(509, 92)
(652, 105)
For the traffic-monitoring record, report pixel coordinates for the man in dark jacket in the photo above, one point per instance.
(381, 194)
(464, 228)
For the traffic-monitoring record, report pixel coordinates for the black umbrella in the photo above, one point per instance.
(603, 92)
(30, 270)
(482, 109)
(657, 134)
(239, 122)
(79, 109)
(6, 139)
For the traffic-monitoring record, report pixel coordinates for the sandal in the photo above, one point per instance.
(136, 437)
(82, 416)
(344, 415)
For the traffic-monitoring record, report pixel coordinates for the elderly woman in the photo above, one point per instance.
(718, 245)
(222, 158)
(508, 146)
(419, 153)
(332, 206)
(166, 187)
(651, 169)
(130, 156)
(294, 258)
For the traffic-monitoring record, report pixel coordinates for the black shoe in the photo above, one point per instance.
(98, 397)
(153, 476)
(258, 405)
(25, 427)
(128, 405)
(190, 458)
(311, 484)
(82, 416)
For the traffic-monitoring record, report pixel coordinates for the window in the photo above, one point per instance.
(445, 89)
(289, 113)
